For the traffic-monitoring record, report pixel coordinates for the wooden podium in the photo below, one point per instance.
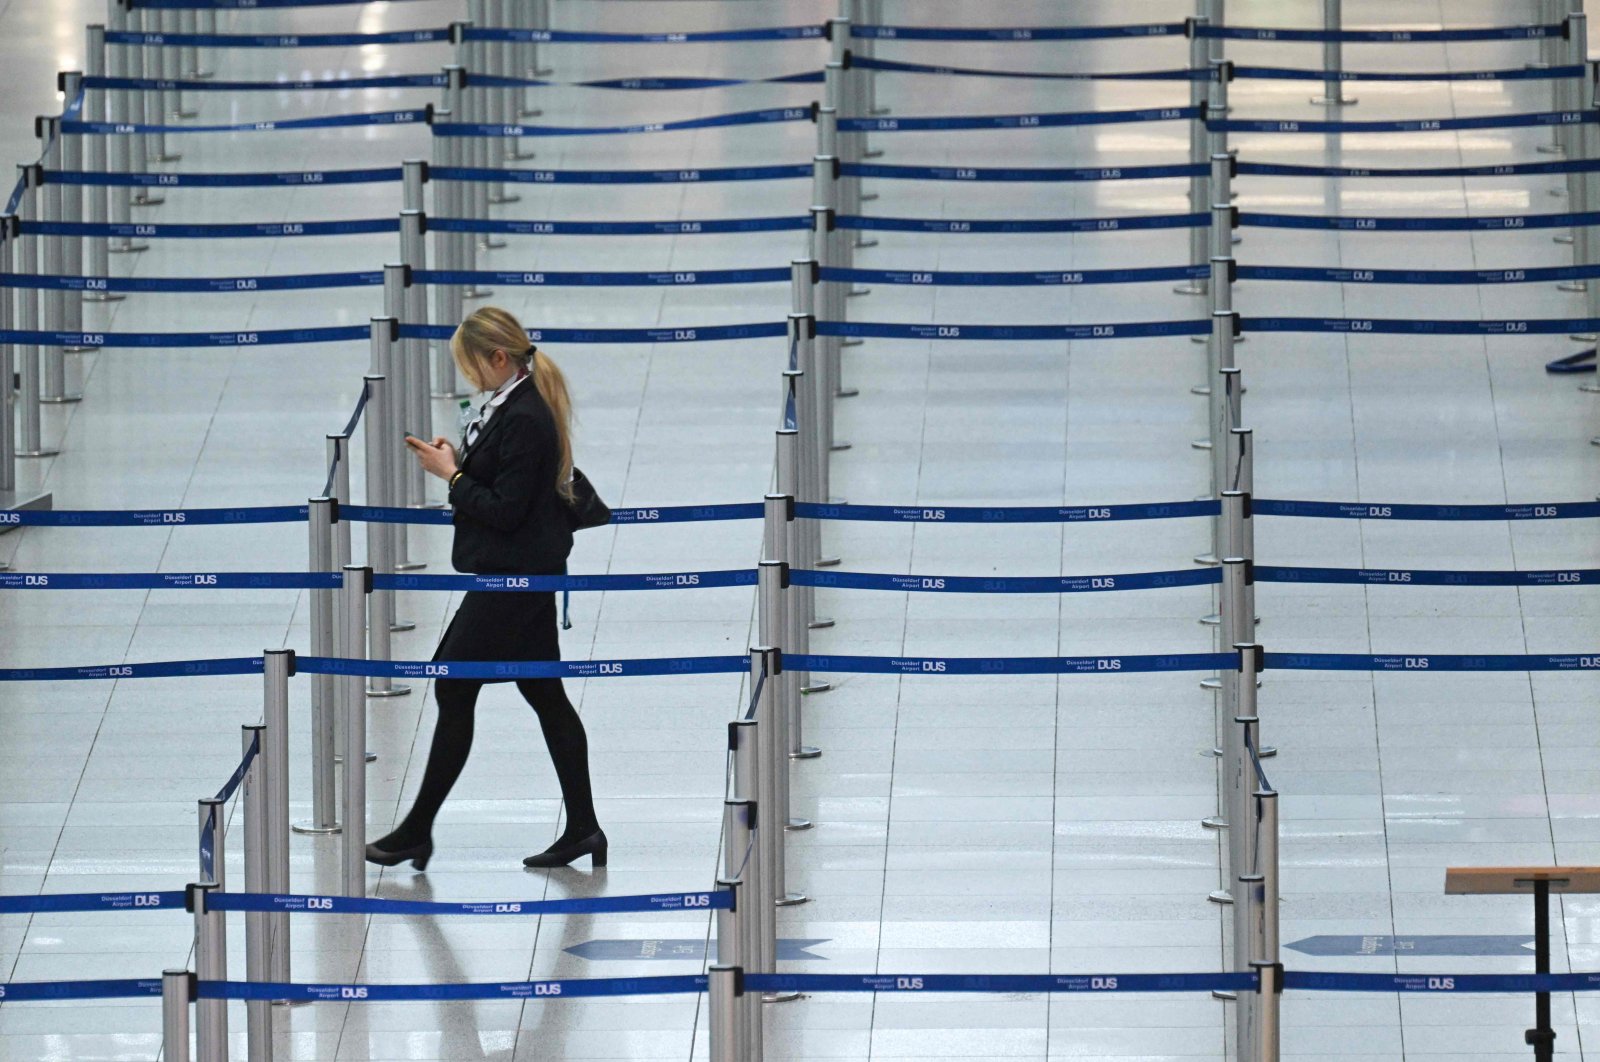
(1539, 882)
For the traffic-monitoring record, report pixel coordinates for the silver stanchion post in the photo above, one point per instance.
(171, 70)
(1215, 13)
(97, 108)
(772, 592)
(739, 866)
(69, 159)
(732, 1042)
(417, 408)
(800, 607)
(338, 451)
(1199, 145)
(177, 992)
(1267, 963)
(1569, 92)
(772, 776)
(800, 397)
(189, 54)
(52, 301)
(208, 26)
(29, 383)
(211, 964)
(1224, 332)
(278, 665)
(257, 965)
(725, 988)
(321, 514)
(1333, 57)
(8, 400)
(353, 601)
(377, 430)
(155, 100)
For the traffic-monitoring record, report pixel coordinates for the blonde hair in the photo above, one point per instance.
(488, 329)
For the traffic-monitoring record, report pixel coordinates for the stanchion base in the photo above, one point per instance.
(864, 243)
(476, 293)
(372, 757)
(147, 200)
(491, 245)
(874, 153)
(46, 452)
(532, 112)
(1211, 621)
(829, 562)
(1199, 444)
(847, 392)
(1213, 753)
(1214, 823)
(1189, 289)
(1549, 149)
(392, 691)
(1226, 997)
(1589, 388)
(403, 625)
(1573, 285)
(1212, 684)
(796, 825)
(851, 342)
(838, 446)
(780, 997)
(519, 156)
(166, 158)
(410, 566)
(127, 248)
(1266, 752)
(791, 899)
(820, 624)
(312, 828)
(1221, 896)
(815, 687)
(1203, 390)
(500, 200)
(59, 400)
(806, 752)
(1567, 240)
(857, 292)
(1584, 337)
(105, 296)
(1210, 560)
(1334, 101)
(185, 114)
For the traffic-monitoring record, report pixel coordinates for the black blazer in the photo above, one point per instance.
(508, 517)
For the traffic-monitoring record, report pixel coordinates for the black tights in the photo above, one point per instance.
(452, 742)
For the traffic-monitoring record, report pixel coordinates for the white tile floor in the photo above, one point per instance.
(1024, 825)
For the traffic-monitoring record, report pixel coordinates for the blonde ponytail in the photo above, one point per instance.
(488, 329)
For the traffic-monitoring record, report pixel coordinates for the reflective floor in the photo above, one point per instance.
(1016, 824)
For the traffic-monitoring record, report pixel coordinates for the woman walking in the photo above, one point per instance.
(511, 488)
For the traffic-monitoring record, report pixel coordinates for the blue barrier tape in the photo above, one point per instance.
(331, 121)
(895, 66)
(1429, 662)
(520, 583)
(997, 983)
(1124, 330)
(385, 515)
(266, 338)
(1055, 120)
(1021, 225)
(1377, 982)
(1418, 276)
(356, 993)
(214, 231)
(300, 282)
(717, 121)
(706, 227)
(1378, 224)
(1280, 169)
(962, 584)
(681, 278)
(1284, 73)
(265, 514)
(543, 36)
(1039, 174)
(225, 180)
(35, 991)
(1394, 327)
(705, 175)
(1029, 33)
(50, 902)
(476, 669)
(647, 84)
(698, 334)
(165, 669)
(1416, 577)
(156, 84)
(1484, 33)
(1414, 125)
(276, 40)
(1011, 665)
(1086, 276)
(170, 581)
(714, 900)
(14, 200)
(1041, 514)
(236, 779)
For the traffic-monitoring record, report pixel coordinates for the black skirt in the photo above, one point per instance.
(502, 626)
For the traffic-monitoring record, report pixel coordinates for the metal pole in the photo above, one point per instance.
(799, 609)
(1267, 964)
(772, 575)
(725, 988)
(376, 430)
(97, 107)
(189, 54)
(1333, 58)
(1216, 14)
(743, 851)
(9, 238)
(211, 964)
(29, 434)
(257, 964)
(447, 193)
(338, 451)
(172, 70)
(52, 301)
(320, 516)
(738, 858)
(176, 986)
(771, 739)
(357, 585)
(70, 208)
(155, 100)
(1199, 181)
(414, 253)
(118, 199)
(1570, 91)
(278, 665)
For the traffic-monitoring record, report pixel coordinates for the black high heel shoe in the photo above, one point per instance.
(559, 854)
(419, 854)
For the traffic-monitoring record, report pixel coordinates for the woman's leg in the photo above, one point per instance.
(569, 751)
(452, 742)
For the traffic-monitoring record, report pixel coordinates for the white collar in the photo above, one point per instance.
(499, 397)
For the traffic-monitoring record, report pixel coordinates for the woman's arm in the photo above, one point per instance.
(525, 469)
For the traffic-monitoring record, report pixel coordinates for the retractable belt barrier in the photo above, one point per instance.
(276, 40)
(702, 175)
(414, 116)
(295, 178)
(768, 116)
(546, 36)
(1414, 125)
(1016, 34)
(212, 230)
(1418, 36)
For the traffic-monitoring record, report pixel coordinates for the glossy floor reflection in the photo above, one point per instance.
(1018, 824)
